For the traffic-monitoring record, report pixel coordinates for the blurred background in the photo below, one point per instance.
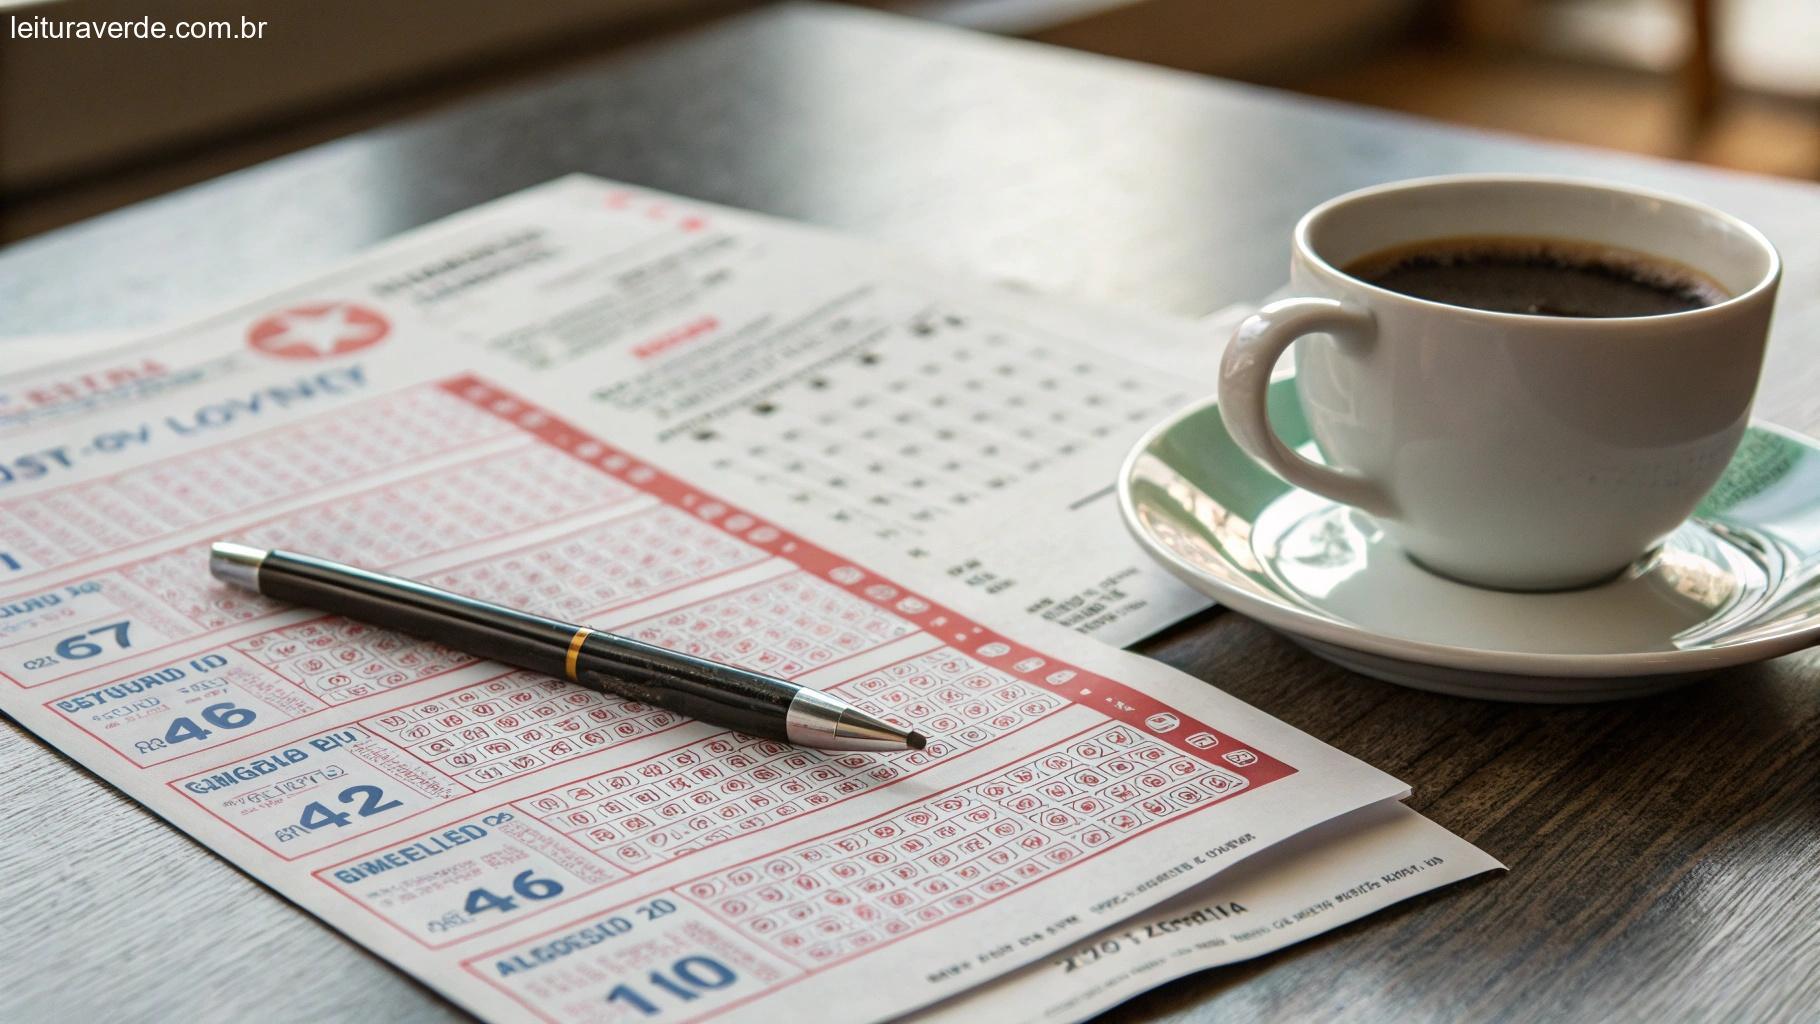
(92, 125)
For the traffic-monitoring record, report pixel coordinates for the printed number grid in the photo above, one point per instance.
(783, 627)
(337, 660)
(728, 785)
(945, 411)
(515, 725)
(706, 793)
(947, 694)
(594, 569)
(71, 523)
(836, 897)
(490, 497)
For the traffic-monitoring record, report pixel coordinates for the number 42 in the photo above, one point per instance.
(317, 814)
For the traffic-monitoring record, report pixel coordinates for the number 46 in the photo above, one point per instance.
(223, 716)
(481, 900)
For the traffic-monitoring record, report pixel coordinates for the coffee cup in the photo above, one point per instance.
(1530, 446)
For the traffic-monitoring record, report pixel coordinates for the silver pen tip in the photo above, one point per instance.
(236, 564)
(856, 730)
(816, 719)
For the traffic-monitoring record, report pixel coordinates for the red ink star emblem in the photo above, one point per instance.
(318, 331)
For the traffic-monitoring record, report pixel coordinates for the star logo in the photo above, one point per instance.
(319, 331)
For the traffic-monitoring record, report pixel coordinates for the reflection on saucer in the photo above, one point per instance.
(1737, 583)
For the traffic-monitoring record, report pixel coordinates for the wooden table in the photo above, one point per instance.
(1663, 853)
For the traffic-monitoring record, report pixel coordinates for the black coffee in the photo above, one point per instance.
(1543, 276)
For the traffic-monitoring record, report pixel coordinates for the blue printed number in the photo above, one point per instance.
(317, 814)
(482, 900)
(687, 980)
(77, 647)
(221, 716)
(9, 563)
(372, 801)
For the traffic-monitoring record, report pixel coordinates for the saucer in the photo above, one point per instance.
(1739, 582)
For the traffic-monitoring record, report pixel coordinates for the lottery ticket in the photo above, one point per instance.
(26, 398)
(582, 400)
(1332, 874)
(823, 379)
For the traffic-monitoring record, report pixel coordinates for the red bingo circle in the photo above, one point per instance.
(318, 331)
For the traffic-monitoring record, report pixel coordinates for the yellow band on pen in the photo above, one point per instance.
(575, 642)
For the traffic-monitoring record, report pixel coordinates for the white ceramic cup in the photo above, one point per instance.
(1509, 450)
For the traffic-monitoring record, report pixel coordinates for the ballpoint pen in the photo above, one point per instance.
(718, 694)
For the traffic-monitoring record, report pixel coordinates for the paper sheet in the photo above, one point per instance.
(836, 383)
(1330, 875)
(33, 390)
(457, 406)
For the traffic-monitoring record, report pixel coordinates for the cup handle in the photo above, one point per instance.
(1245, 381)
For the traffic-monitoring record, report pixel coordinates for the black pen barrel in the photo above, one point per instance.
(751, 703)
(477, 627)
(723, 695)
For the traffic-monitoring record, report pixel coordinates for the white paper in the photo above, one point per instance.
(967, 426)
(1330, 875)
(450, 408)
(33, 391)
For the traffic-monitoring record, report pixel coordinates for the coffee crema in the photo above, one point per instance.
(1539, 276)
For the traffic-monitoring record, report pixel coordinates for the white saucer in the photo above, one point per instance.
(1738, 583)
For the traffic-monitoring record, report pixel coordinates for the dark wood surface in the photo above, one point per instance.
(1663, 853)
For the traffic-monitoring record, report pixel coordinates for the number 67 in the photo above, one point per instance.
(78, 647)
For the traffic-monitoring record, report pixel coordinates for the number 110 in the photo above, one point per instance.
(688, 979)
